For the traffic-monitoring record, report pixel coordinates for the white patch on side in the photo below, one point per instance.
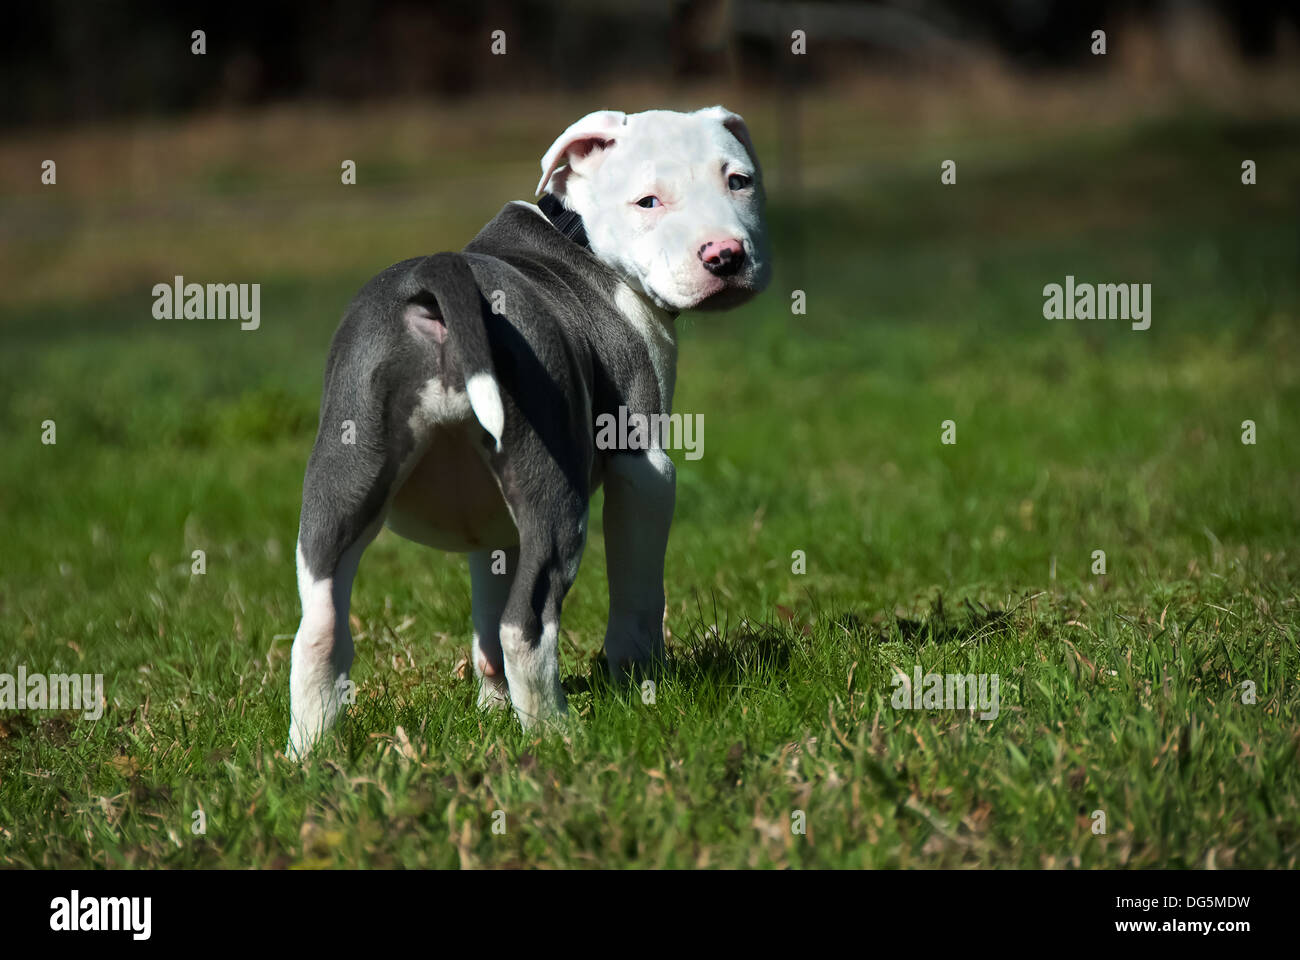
(485, 399)
(437, 405)
(658, 331)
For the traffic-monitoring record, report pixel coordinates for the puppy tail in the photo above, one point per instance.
(448, 277)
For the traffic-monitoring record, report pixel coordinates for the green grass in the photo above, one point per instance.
(1120, 693)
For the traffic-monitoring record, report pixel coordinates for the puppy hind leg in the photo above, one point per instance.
(491, 576)
(338, 522)
(322, 650)
(549, 555)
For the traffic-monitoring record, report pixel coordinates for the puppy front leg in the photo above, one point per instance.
(640, 494)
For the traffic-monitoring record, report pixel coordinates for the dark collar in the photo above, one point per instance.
(564, 220)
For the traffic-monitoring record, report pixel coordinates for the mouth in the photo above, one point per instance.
(724, 293)
(724, 297)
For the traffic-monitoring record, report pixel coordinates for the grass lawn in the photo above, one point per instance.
(1124, 693)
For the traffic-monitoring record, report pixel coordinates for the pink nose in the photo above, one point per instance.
(722, 258)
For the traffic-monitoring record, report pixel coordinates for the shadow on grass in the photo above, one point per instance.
(975, 624)
(721, 656)
(728, 655)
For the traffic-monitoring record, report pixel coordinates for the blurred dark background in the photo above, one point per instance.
(68, 61)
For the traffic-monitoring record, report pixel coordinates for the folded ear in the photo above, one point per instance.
(582, 146)
(736, 124)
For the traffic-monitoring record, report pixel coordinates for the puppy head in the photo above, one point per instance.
(672, 201)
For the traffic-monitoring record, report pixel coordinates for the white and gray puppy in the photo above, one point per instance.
(462, 393)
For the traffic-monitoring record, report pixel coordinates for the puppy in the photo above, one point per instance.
(462, 393)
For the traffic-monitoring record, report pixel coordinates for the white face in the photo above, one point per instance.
(672, 201)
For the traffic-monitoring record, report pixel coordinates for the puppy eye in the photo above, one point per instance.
(738, 181)
(648, 202)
